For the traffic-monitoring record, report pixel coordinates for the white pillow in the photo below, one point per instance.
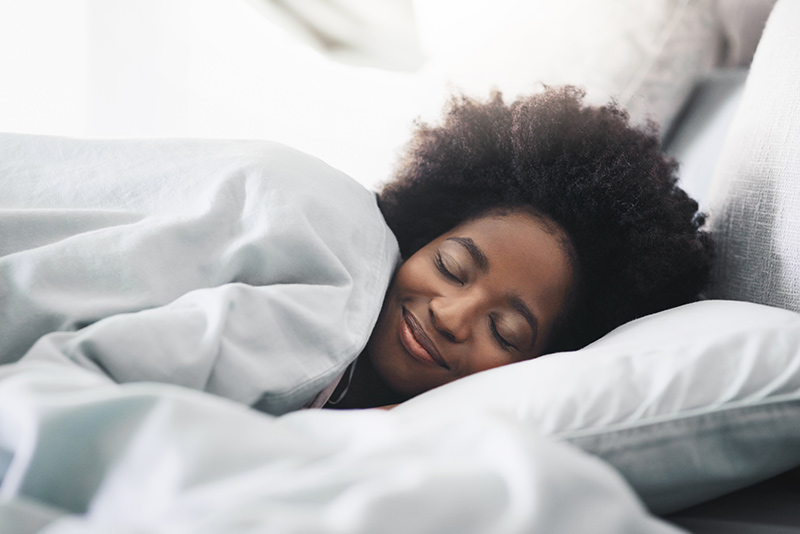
(688, 404)
(647, 54)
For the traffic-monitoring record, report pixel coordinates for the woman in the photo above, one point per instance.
(529, 228)
(255, 272)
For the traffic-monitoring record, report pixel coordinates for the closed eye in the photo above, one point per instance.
(500, 339)
(442, 268)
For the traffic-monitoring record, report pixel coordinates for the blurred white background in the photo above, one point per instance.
(199, 68)
(343, 79)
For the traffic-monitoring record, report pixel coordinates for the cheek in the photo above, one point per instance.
(488, 356)
(412, 277)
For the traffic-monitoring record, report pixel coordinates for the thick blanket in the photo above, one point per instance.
(245, 269)
(80, 455)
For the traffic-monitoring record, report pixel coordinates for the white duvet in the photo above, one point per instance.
(247, 271)
(87, 456)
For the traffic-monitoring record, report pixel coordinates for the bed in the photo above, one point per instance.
(662, 426)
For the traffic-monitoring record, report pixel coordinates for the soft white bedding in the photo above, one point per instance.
(81, 454)
(94, 457)
(253, 272)
(246, 269)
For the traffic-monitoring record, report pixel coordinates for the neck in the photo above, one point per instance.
(366, 389)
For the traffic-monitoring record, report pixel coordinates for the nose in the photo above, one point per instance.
(454, 317)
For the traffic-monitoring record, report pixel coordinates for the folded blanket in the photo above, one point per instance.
(245, 269)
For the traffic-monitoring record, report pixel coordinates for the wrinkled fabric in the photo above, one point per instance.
(245, 269)
(91, 456)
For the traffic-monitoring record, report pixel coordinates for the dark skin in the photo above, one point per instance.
(485, 294)
(367, 389)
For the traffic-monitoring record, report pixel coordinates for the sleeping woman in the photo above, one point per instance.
(521, 230)
(526, 229)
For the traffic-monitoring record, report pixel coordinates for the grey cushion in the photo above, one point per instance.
(697, 139)
(754, 199)
(646, 54)
(743, 23)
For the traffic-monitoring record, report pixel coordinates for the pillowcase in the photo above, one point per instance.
(648, 55)
(754, 198)
(687, 404)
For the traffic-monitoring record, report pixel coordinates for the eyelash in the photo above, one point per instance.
(444, 270)
(505, 344)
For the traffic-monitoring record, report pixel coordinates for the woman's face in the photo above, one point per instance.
(483, 295)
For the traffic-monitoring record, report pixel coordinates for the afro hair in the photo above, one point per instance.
(637, 238)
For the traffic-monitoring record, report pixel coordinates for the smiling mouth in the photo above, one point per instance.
(417, 343)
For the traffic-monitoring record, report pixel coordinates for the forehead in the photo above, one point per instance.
(516, 237)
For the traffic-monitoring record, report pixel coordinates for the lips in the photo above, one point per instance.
(417, 342)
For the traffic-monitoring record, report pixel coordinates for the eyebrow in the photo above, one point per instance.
(474, 250)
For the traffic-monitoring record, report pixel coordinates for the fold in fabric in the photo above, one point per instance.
(245, 269)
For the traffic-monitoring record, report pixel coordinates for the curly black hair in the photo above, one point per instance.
(638, 241)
